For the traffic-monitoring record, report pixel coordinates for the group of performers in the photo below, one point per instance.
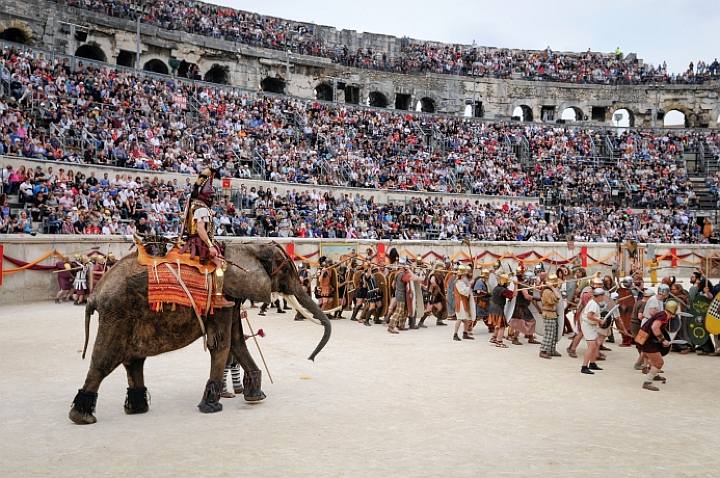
(78, 275)
(403, 293)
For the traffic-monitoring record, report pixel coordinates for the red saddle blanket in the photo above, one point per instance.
(164, 287)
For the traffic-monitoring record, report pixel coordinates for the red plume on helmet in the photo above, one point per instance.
(203, 188)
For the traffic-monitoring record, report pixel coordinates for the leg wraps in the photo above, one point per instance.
(251, 384)
(211, 397)
(84, 402)
(137, 400)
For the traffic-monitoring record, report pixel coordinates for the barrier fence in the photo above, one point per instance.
(27, 261)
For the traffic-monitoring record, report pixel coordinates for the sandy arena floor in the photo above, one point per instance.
(372, 405)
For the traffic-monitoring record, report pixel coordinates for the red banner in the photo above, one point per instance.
(290, 249)
(226, 183)
(583, 256)
(673, 257)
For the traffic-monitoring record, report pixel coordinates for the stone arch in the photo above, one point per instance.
(402, 101)
(524, 112)
(188, 70)
(273, 85)
(16, 31)
(378, 99)
(218, 74)
(91, 51)
(675, 118)
(572, 113)
(324, 91)
(156, 65)
(622, 117)
(427, 105)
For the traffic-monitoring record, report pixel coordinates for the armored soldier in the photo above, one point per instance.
(626, 304)
(199, 232)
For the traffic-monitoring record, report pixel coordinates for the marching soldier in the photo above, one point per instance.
(496, 316)
(324, 291)
(464, 303)
(550, 297)
(482, 298)
(522, 320)
(436, 299)
(402, 286)
(373, 299)
(626, 304)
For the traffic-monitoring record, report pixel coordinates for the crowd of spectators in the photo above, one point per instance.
(412, 56)
(61, 201)
(105, 116)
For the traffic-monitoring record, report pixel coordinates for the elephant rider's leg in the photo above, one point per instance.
(107, 355)
(219, 301)
(219, 348)
(252, 379)
(137, 398)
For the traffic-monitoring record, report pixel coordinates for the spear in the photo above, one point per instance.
(243, 313)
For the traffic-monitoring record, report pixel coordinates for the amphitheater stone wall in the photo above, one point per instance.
(28, 286)
(55, 27)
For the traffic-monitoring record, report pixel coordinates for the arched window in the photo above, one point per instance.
(524, 112)
(674, 119)
(156, 66)
(91, 51)
(15, 35)
(273, 85)
(623, 118)
(324, 92)
(188, 70)
(572, 113)
(218, 74)
(427, 105)
(377, 99)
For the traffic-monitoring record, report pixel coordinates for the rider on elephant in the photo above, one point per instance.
(199, 232)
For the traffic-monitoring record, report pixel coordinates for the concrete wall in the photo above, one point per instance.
(381, 195)
(29, 286)
(248, 66)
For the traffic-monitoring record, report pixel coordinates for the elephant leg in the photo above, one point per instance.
(107, 355)
(219, 328)
(252, 378)
(137, 399)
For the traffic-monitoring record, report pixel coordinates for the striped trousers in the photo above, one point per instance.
(549, 340)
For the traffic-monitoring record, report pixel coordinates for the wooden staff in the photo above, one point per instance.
(543, 285)
(257, 344)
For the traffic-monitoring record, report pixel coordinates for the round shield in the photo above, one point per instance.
(382, 285)
(696, 325)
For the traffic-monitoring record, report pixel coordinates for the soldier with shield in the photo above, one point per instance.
(496, 315)
(436, 297)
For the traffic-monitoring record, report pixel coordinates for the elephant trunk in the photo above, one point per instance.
(306, 302)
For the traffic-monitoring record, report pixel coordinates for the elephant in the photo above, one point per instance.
(129, 331)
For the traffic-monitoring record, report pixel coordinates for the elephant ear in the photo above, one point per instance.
(265, 256)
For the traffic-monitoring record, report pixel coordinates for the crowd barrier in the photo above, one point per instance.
(26, 260)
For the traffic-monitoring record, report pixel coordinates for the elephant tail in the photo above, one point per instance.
(89, 309)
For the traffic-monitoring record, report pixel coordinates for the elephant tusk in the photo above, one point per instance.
(299, 308)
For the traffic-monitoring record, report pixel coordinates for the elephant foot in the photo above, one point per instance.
(251, 385)
(83, 407)
(210, 402)
(137, 400)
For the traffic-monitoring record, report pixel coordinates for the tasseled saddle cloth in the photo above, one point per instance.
(178, 280)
